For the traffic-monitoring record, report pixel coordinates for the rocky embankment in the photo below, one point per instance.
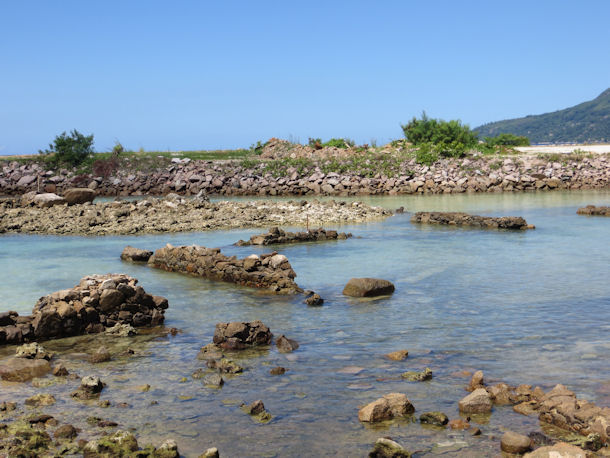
(98, 302)
(464, 219)
(317, 176)
(277, 236)
(270, 271)
(175, 214)
(592, 210)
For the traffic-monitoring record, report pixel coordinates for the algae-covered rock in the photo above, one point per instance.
(40, 400)
(415, 376)
(120, 444)
(434, 418)
(387, 448)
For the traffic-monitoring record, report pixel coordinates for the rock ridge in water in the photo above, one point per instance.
(592, 210)
(96, 303)
(464, 219)
(278, 236)
(175, 214)
(269, 271)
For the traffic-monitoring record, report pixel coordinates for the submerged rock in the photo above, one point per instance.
(66, 432)
(213, 381)
(434, 418)
(414, 376)
(40, 400)
(278, 370)
(90, 388)
(393, 405)
(286, 345)
(121, 443)
(464, 219)
(368, 287)
(512, 442)
(23, 369)
(33, 351)
(314, 300)
(387, 448)
(258, 411)
(212, 452)
(398, 355)
(101, 355)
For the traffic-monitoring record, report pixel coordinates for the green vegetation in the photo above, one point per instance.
(586, 122)
(71, 150)
(447, 138)
(505, 139)
(333, 142)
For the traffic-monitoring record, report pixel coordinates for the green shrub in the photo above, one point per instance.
(508, 140)
(450, 138)
(426, 154)
(71, 150)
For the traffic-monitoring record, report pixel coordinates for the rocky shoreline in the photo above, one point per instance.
(359, 174)
(277, 236)
(464, 219)
(175, 214)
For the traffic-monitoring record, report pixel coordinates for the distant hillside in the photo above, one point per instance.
(587, 122)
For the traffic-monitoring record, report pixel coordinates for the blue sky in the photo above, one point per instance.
(201, 75)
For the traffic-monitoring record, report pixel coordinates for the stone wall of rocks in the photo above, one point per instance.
(270, 271)
(482, 174)
(464, 219)
(96, 303)
(592, 210)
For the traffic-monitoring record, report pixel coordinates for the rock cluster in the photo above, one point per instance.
(96, 303)
(278, 236)
(175, 214)
(464, 219)
(476, 174)
(592, 210)
(270, 271)
(239, 335)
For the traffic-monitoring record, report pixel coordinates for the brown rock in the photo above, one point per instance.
(368, 287)
(66, 432)
(135, 254)
(398, 355)
(458, 423)
(79, 195)
(390, 406)
(476, 381)
(278, 371)
(559, 450)
(286, 345)
(40, 400)
(478, 401)
(512, 442)
(100, 356)
(22, 369)
(251, 333)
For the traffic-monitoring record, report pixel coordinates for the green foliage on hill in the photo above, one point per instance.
(507, 140)
(586, 122)
(447, 138)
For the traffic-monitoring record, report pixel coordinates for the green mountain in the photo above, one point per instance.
(586, 122)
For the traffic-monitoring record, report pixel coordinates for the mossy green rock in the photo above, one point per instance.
(434, 418)
(387, 448)
(414, 376)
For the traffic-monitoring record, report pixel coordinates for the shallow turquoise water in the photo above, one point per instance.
(525, 307)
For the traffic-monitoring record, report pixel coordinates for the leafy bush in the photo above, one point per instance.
(450, 138)
(507, 140)
(426, 154)
(71, 150)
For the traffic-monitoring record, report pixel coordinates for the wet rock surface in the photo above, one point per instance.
(514, 443)
(417, 376)
(238, 335)
(434, 418)
(97, 302)
(368, 287)
(464, 219)
(286, 345)
(278, 236)
(393, 405)
(592, 210)
(387, 448)
(478, 401)
(176, 215)
(269, 271)
(135, 254)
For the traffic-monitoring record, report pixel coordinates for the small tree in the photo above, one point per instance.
(72, 149)
(506, 139)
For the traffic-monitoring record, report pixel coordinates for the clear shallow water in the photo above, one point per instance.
(525, 307)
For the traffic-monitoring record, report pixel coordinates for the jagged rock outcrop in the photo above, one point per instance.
(238, 335)
(269, 271)
(278, 236)
(393, 405)
(96, 303)
(464, 219)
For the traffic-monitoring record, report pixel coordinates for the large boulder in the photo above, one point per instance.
(238, 335)
(514, 443)
(48, 199)
(79, 195)
(393, 405)
(23, 369)
(368, 287)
